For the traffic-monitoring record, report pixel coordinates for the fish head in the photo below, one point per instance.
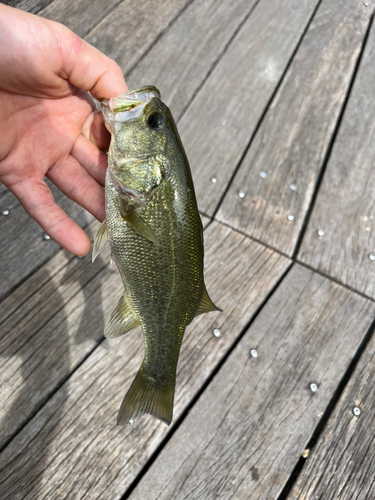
(138, 121)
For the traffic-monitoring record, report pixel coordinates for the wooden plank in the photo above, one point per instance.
(218, 125)
(245, 434)
(181, 59)
(132, 27)
(44, 461)
(344, 209)
(81, 16)
(279, 173)
(7, 200)
(23, 247)
(205, 220)
(342, 464)
(3, 189)
(46, 337)
(33, 6)
(17, 303)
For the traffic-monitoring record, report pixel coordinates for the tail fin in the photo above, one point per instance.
(144, 397)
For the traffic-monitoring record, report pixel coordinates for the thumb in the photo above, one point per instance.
(89, 69)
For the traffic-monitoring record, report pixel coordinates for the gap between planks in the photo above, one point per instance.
(256, 268)
(299, 342)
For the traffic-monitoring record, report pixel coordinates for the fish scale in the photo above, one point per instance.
(155, 234)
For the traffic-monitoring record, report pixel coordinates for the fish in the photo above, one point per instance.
(156, 238)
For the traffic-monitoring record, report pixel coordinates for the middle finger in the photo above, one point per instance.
(92, 159)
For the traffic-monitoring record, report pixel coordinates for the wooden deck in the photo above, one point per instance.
(275, 103)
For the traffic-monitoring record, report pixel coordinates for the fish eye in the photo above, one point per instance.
(155, 120)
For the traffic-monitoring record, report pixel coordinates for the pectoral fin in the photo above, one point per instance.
(141, 227)
(122, 320)
(100, 240)
(206, 304)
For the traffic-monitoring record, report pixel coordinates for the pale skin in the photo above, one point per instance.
(49, 126)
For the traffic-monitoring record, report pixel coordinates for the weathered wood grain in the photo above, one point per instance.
(23, 248)
(279, 173)
(181, 59)
(49, 334)
(7, 199)
(17, 303)
(245, 434)
(205, 220)
(132, 27)
(44, 460)
(218, 125)
(342, 464)
(344, 208)
(3, 189)
(32, 6)
(81, 16)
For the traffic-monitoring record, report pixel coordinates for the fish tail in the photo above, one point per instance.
(144, 397)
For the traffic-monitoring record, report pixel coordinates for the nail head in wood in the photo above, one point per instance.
(216, 332)
(356, 411)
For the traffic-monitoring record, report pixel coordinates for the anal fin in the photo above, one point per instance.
(206, 304)
(122, 320)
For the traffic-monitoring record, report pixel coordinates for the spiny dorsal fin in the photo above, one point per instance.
(100, 240)
(141, 227)
(122, 320)
(206, 304)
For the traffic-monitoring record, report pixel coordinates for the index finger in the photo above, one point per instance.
(39, 203)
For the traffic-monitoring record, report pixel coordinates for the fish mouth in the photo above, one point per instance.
(132, 102)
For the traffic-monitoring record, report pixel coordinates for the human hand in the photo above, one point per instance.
(48, 123)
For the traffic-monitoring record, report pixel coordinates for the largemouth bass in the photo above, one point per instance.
(155, 233)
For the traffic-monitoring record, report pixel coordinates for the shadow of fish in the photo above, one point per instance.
(155, 233)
